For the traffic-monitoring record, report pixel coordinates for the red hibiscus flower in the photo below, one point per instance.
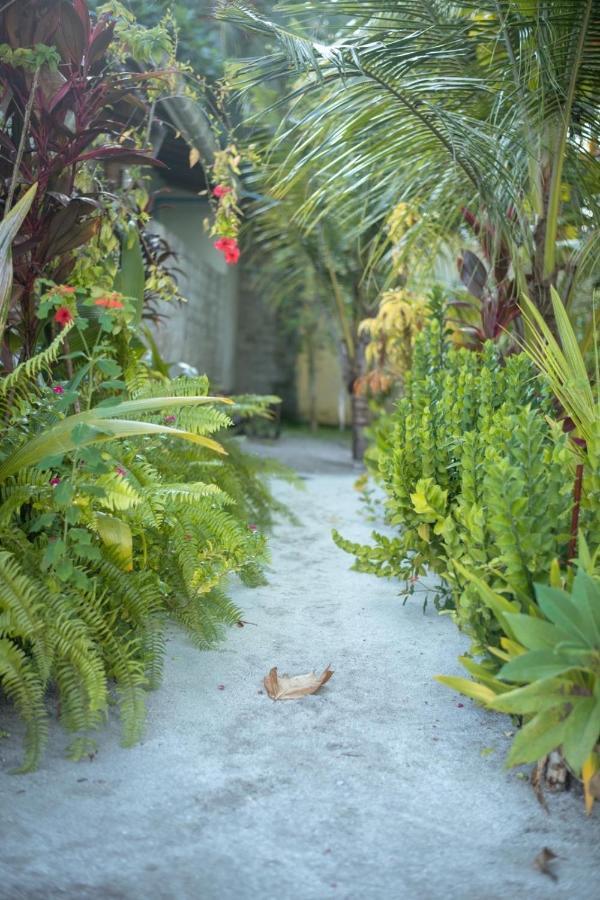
(221, 190)
(63, 315)
(229, 248)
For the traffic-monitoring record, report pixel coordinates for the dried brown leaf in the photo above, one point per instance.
(286, 687)
(543, 862)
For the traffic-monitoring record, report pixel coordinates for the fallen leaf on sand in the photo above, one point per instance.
(286, 687)
(543, 862)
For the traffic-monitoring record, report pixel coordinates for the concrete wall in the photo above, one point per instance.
(265, 354)
(201, 332)
(333, 403)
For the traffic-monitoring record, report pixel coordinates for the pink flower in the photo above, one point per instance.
(55, 480)
(221, 190)
(253, 528)
(58, 389)
(229, 248)
(170, 419)
(120, 471)
(63, 315)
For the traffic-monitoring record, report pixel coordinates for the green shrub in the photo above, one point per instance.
(476, 475)
(118, 513)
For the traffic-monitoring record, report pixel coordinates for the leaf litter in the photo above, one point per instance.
(293, 687)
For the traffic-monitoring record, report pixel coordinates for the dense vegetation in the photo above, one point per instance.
(422, 184)
(124, 504)
(428, 132)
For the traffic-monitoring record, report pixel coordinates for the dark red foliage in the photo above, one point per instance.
(489, 282)
(78, 117)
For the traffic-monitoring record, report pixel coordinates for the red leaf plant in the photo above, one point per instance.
(72, 102)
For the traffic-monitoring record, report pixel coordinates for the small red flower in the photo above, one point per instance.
(170, 419)
(221, 190)
(58, 389)
(63, 315)
(54, 481)
(64, 290)
(229, 248)
(120, 471)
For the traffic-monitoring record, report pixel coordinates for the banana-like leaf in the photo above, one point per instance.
(9, 228)
(101, 424)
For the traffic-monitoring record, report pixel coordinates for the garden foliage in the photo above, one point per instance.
(479, 481)
(124, 504)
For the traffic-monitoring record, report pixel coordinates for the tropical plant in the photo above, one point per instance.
(118, 512)
(446, 106)
(72, 106)
(552, 654)
(475, 477)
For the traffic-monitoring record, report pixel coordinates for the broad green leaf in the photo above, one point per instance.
(534, 697)
(538, 664)
(582, 732)
(559, 607)
(535, 634)
(586, 594)
(543, 734)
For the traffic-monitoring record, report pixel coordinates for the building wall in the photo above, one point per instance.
(201, 332)
(265, 354)
(333, 403)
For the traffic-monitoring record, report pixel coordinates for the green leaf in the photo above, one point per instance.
(582, 732)
(539, 737)
(53, 552)
(534, 698)
(116, 533)
(63, 493)
(59, 438)
(469, 688)
(109, 367)
(538, 664)
(586, 594)
(560, 609)
(83, 434)
(535, 634)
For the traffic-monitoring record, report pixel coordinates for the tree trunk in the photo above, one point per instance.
(312, 385)
(353, 369)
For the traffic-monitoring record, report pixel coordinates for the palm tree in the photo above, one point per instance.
(483, 112)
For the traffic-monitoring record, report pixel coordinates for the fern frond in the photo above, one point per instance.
(23, 685)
